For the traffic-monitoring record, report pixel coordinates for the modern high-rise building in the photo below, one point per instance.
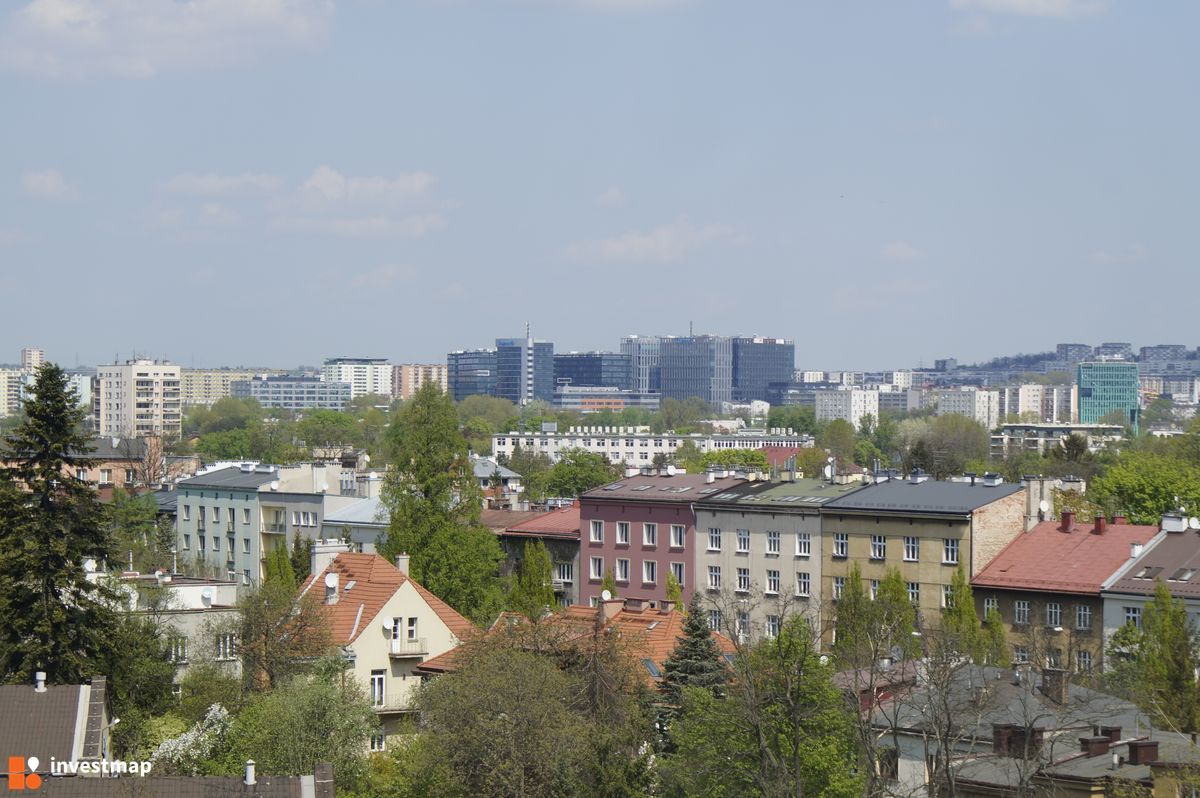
(524, 370)
(408, 377)
(138, 398)
(32, 359)
(366, 375)
(471, 372)
(697, 366)
(1107, 387)
(10, 391)
(593, 370)
(643, 351)
(758, 362)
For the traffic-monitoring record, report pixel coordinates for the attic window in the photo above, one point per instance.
(1183, 575)
(1149, 572)
(652, 668)
(349, 585)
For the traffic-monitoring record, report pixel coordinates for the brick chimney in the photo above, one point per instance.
(1001, 738)
(1120, 518)
(1113, 733)
(635, 604)
(1143, 752)
(1100, 525)
(1094, 746)
(1068, 521)
(610, 608)
(1055, 685)
(666, 606)
(323, 780)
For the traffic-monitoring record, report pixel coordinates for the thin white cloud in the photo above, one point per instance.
(383, 277)
(143, 38)
(48, 185)
(213, 185)
(329, 185)
(1135, 253)
(901, 251)
(611, 197)
(667, 243)
(1062, 9)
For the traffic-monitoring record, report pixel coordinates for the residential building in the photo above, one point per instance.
(592, 400)
(1121, 350)
(1171, 557)
(643, 351)
(1044, 438)
(471, 372)
(641, 529)
(850, 404)
(1072, 353)
(524, 370)
(11, 385)
(638, 446)
(79, 382)
(367, 376)
(761, 541)
(926, 528)
(408, 377)
(1046, 586)
(230, 519)
(356, 520)
(758, 362)
(293, 392)
(204, 387)
(1107, 387)
(1162, 353)
(594, 370)
(558, 531)
(1052, 404)
(138, 397)
(697, 366)
(386, 625)
(980, 405)
(499, 484)
(32, 359)
(55, 723)
(945, 364)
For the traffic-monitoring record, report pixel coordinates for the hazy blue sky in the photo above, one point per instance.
(277, 181)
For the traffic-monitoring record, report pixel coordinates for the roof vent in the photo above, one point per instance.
(992, 479)
(917, 477)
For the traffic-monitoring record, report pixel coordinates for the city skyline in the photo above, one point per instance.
(437, 172)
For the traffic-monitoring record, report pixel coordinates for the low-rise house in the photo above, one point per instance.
(1171, 557)
(1046, 586)
(361, 522)
(54, 722)
(387, 625)
(558, 530)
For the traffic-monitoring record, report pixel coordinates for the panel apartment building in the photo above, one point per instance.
(367, 376)
(138, 398)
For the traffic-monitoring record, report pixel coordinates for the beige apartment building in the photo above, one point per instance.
(408, 377)
(203, 387)
(138, 397)
(925, 528)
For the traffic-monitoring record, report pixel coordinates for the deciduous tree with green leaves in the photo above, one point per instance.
(578, 471)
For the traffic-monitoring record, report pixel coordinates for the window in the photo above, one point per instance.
(187, 512)
(878, 547)
(743, 536)
(597, 568)
(991, 603)
(105, 476)
(178, 649)
(187, 542)
(129, 476)
(1054, 658)
(914, 592)
(772, 627)
(225, 647)
(889, 764)
(714, 620)
(649, 534)
(1054, 615)
(839, 584)
(1133, 616)
(216, 515)
(397, 625)
(677, 532)
(203, 545)
(245, 515)
(378, 696)
(597, 532)
(378, 742)
(803, 544)
(947, 597)
(772, 581)
(295, 518)
(1020, 611)
(231, 546)
(714, 539)
(677, 572)
(564, 571)
(622, 533)
(803, 584)
(649, 572)
(950, 551)
(245, 576)
(1020, 654)
(216, 543)
(841, 544)
(81, 474)
(1083, 617)
(743, 625)
(874, 589)
(1083, 661)
(622, 574)
(912, 549)
(412, 628)
(245, 545)
(743, 580)
(714, 577)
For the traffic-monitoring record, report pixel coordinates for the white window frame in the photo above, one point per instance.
(950, 551)
(1054, 614)
(803, 584)
(714, 577)
(678, 571)
(878, 547)
(678, 535)
(622, 533)
(621, 571)
(378, 688)
(1083, 617)
(803, 544)
(990, 603)
(914, 592)
(772, 582)
(772, 543)
(912, 548)
(743, 580)
(841, 545)
(1021, 612)
(743, 541)
(649, 534)
(597, 568)
(649, 572)
(714, 538)
(596, 533)
(839, 586)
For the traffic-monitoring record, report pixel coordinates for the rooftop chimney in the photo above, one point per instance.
(610, 608)
(917, 476)
(1143, 752)
(666, 606)
(635, 604)
(1120, 518)
(1135, 550)
(1055, 685)
(1094, 746)
(1174, 523)
(992, 479)
(39, 682)
(709, 477)
(1100, 526)
(250, 781)
(1113, 733)
(402, 563)
(1068, 521)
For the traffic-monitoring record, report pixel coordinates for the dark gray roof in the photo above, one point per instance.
(167, 501)
(932, 496)
(775, 496)
(117, 448)
(231, 477)
(39, 724)
(1174, 559)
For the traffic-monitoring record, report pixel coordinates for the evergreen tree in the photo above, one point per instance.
(854, 644)
(279, 568)
(960, 623)
(675, 592)
(609, 584)
(534, 591)
(896, 615)
(56, 620)
(696, 661)
(995, 640)
(301, 557)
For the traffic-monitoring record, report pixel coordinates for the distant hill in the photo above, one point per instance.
(1019, 362)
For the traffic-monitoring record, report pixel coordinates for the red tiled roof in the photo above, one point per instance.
(499, 520)
(778, 456)
(563, 522)
(1047, 558)
(365, 583)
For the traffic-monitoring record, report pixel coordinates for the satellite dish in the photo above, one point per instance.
(1044, 506)
(827, 471)
(274, 484)
(605, 596)
(1194, 523)
(206, 595)
(387, 625)
(89, 565)
(331, 581)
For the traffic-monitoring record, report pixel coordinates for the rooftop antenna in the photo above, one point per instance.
(526, 329)
(691, 329)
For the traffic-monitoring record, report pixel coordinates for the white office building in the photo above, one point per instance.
(637, 446)
(366, 375)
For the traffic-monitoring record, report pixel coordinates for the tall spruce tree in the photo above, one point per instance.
(56, 620)
(696, 661)
(534, 590)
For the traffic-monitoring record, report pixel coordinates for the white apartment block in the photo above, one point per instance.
(850, 405)
(32, 359)
(902, 379)
(10, 391)
(637, 446)
(981, 405)
(366, 375)
(1050, 404)
(137, 398)
(810, 376)
(407, 378)
(206, 386)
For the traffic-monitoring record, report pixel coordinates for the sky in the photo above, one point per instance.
(274, 182)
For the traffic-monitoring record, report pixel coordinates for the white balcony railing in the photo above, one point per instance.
(408, 648)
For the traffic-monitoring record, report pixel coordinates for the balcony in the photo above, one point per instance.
(561, 585)
(277, 528)
(404, 649)
(392, 704)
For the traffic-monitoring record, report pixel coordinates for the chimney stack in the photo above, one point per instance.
(1001, 738)
(610, 608)
(1174, 523)
(1094, 746)
(250, 781)
(1113, 733)
(39, 682)
(1135, 550)
(1143, 752)
(1120, 518)
(402, 563)
(666, 606)
(1100, 526)
(1068, 521)
(1055, 685)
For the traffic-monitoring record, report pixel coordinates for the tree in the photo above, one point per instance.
(278, 634)
(500, 415)
(1144, 486)
(955, 440)
(140, 678)
(325, 428)
(750, 459)
(811, 462)
(578, 471)
(960, 623)
(995, 640)
(609, 583)
(853, 644)
(534, 591)
(131, 522)
(696, 661)
(674, 591)
(57, 621)
(839, 438)
(206, 684)
(279, 568)
(795, 417)
(461, 567)
(301, 557)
